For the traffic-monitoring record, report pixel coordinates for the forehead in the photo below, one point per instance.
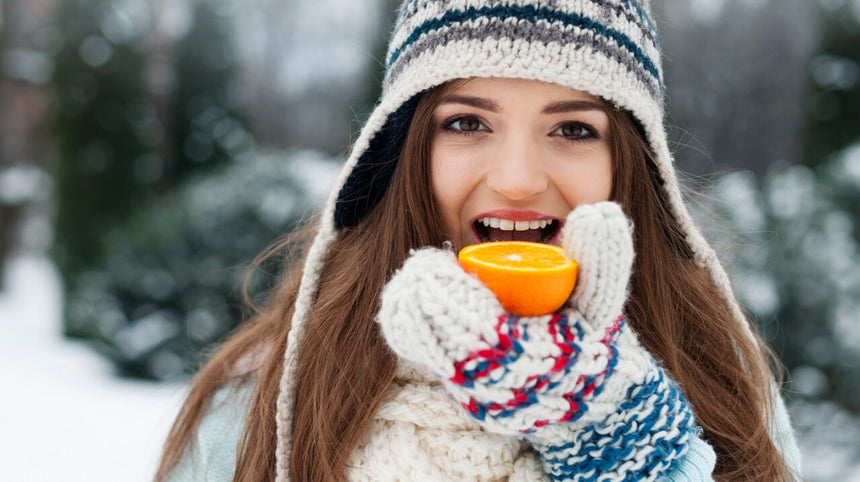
(503, 88)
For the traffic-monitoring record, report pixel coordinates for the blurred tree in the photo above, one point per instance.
(206, 126)
(98, 81)
(168, 284)
(799, 271)
(173, 195)
(832, 108)
(125, 138)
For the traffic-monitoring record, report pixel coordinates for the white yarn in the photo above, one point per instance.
(599, 237)
(419, 433)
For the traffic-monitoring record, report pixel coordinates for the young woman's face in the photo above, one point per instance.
(511, 158)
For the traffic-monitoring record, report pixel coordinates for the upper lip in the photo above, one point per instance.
(514, 215)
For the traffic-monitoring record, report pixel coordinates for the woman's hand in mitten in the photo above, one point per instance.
(576, 384)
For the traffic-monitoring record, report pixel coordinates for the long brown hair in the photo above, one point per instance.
(343, 375)
(685, 320)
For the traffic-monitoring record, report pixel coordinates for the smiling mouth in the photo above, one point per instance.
(499, 229)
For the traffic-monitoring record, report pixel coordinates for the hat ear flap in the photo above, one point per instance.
(371, 176)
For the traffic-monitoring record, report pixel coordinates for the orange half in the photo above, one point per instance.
(529, 279)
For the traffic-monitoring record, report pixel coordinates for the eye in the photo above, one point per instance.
(465, 124)
(576, 131)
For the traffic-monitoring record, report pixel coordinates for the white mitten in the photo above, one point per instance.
(576, 384)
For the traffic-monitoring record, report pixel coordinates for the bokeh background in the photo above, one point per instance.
(150, 149)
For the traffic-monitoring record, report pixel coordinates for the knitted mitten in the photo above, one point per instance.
(577, 385)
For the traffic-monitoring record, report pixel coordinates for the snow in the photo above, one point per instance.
(64, 415)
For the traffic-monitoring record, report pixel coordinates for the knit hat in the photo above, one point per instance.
(607, 48)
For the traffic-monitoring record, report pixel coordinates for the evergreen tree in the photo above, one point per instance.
(97, 82)
(206, 125)
(122, 144)
(169, 285)
(834, 101)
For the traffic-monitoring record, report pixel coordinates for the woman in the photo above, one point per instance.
(496, 111)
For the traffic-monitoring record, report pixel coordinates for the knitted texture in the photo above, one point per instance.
(607, 48)
(576, 385)
(415, 419)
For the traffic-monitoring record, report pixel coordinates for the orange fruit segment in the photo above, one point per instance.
(529, 279)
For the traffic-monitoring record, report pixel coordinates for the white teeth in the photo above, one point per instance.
(510, 225)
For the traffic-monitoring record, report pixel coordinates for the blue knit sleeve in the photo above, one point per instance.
(696, 465)
(211, 453)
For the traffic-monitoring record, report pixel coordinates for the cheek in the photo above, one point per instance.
(588, 183)
(449, 188)
(601, 187)
(439, 181)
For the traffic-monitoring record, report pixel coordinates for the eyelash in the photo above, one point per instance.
(591, 132)
(448, 123)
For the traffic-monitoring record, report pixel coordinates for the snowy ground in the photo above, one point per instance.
(65, 417)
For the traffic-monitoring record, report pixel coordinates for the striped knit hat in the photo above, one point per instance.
(608, 48)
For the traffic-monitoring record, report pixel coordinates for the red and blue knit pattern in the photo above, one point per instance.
(490, 365)
(639, 442)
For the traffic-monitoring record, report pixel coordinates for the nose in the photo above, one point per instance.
(516, 171)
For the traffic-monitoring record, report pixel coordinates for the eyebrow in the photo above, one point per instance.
(480, 103)
(571, 106)
(492, 106)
